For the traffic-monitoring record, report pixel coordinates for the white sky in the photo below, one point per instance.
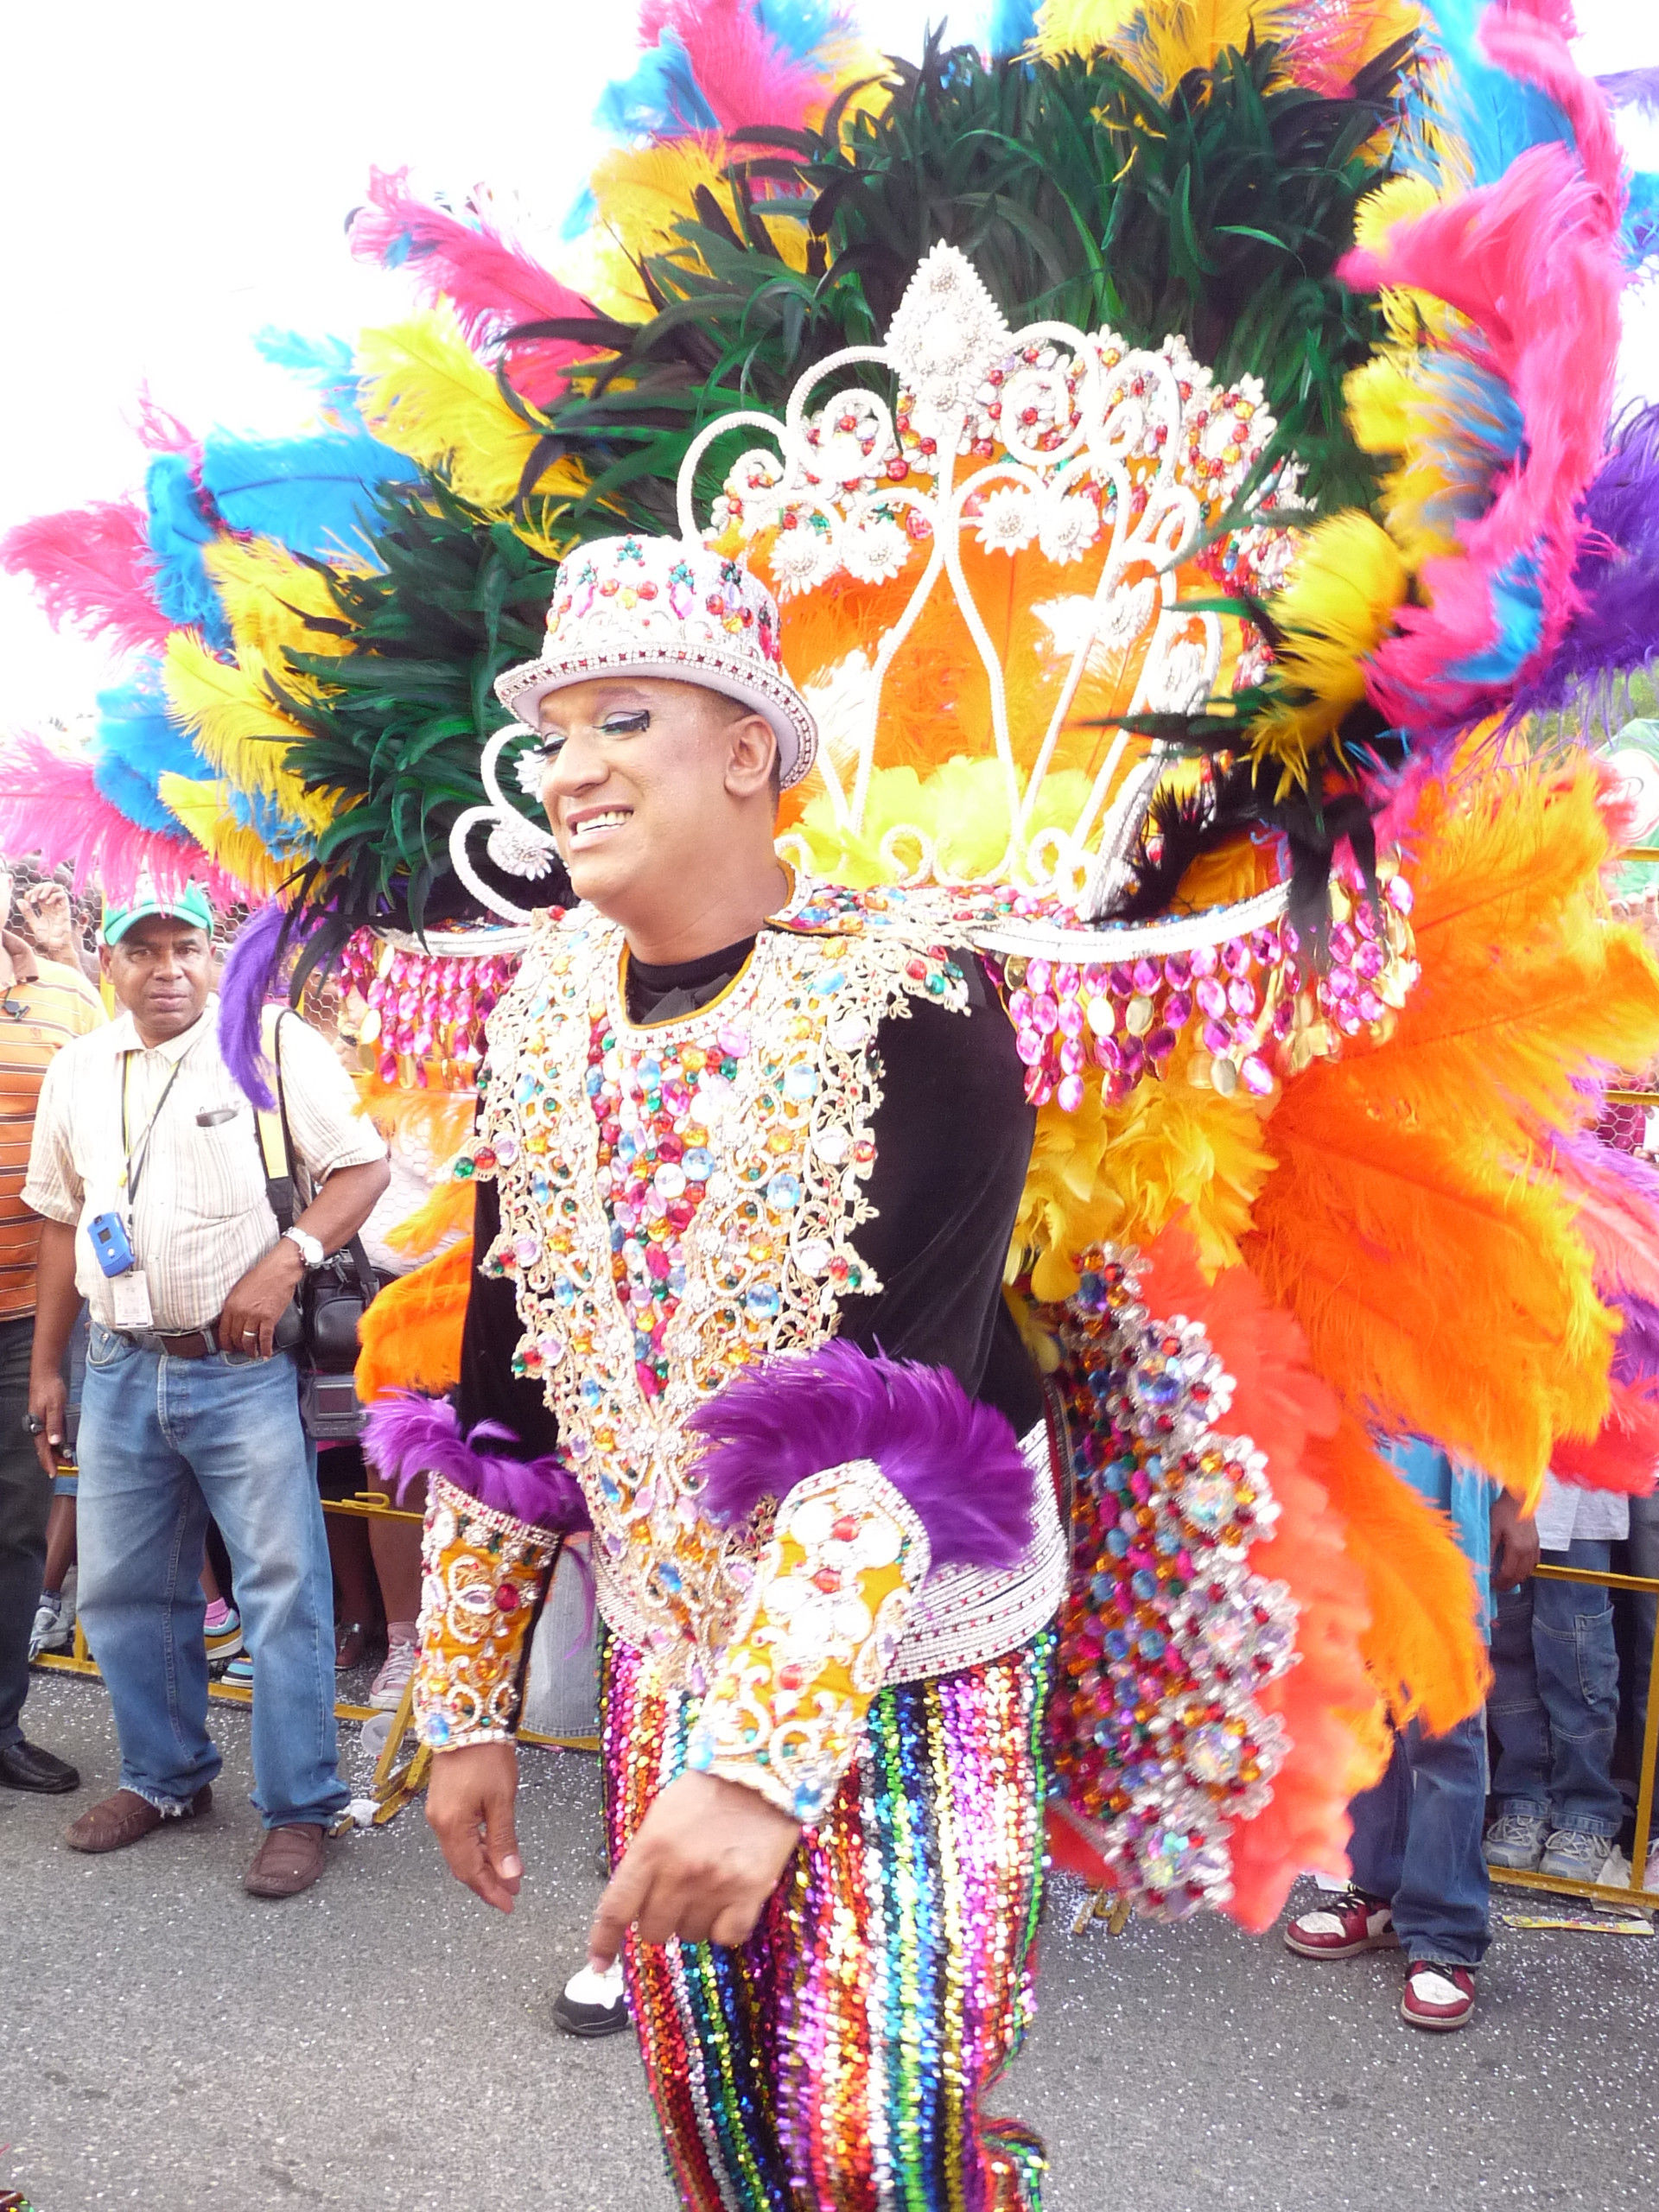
(178, 173)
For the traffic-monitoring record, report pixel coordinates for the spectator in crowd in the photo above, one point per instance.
(1420, 1881)
(191, 1403)
(55, 1617)
(42, 1007)
(1554, 1704)
(46, 915)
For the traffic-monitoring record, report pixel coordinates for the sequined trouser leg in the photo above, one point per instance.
(836, 2062)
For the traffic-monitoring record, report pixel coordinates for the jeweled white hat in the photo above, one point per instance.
(660, 606)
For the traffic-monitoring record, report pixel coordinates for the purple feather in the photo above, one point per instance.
(1636, 1355)
(1632, 88)
(958, 1464)
(249, 980)
(1616, 630)
(410, 1437)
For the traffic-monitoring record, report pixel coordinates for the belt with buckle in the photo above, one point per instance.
(194, 1343)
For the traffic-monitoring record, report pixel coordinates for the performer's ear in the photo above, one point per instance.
(753, 764)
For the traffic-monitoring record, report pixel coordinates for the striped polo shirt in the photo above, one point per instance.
(42, 1007)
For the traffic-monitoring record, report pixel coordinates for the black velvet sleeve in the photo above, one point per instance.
(953, 1136)
(489, 1388)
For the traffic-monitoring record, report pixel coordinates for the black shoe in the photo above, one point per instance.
(26, 1766)
(579, 2016)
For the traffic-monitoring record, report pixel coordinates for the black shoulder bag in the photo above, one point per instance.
(320, 1327)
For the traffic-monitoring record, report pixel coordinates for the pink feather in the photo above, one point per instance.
(50, 805)
(92, 567)
(1533, 264)
(493, 285)
(159, 428)
(747, 78)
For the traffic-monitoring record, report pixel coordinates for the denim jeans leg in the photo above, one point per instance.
(25, 1500)
(1441, 1907)
(1376, 1851)
(1577, 1679)
(140, 1527)
(237, 1422)
(1520, 1779)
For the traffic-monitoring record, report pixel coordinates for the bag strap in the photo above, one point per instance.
(277, 1147)
(276, 1144)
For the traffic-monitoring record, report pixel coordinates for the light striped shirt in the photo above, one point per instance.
(200, 1218)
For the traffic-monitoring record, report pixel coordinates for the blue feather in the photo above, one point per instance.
(1012, 26)
(136, 743)
(1497, 115)
(177, 530)
(326, 363)
(310, 494)
(1518, 610)
(800, 26)
(584, 212)
(662, 99)
(1482, 430)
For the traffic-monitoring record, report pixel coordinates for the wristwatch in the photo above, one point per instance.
(307, 1245)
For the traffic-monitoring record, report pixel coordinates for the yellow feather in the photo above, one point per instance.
(1337, 607)
(428, 394)
(1160, 41)
(230, 714)
(960, 807)
(1123, 1174)
(641, 195)
(203, 809)
(267, 595)
(1079, 27)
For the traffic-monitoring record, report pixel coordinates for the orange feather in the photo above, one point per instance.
(410, 1336)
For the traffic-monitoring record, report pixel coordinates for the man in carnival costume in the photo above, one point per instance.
(728, 1116)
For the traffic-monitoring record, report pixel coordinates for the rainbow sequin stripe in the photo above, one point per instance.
(841, 2056)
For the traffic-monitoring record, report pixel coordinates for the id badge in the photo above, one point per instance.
(132, 1309)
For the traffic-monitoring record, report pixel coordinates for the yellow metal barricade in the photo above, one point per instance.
(1611, 1893)
(397, 1777)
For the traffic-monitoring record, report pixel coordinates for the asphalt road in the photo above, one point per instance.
(168, 2042)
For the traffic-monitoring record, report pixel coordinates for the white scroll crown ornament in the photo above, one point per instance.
(1077, 439)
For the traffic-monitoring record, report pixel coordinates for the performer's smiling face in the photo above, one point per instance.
(650, 785)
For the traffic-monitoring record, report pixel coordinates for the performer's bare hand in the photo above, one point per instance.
(1514, 1542)
(706, 1857)
(469, 1809)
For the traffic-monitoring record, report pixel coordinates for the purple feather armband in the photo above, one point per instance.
(408, 1436)
(956, 1464)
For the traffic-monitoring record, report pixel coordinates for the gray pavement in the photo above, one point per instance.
(168, 2042)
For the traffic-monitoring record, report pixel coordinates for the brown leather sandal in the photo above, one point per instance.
(350, 1645)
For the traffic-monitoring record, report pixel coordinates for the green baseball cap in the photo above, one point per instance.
(189, 905)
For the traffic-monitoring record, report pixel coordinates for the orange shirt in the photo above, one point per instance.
(42, 1006)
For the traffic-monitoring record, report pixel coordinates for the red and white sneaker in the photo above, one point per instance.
(1441, 1998)
(1347, 1923)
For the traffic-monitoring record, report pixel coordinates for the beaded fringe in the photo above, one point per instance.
(838, 2059)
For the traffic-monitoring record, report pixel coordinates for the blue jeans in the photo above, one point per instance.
(1554, 1704)
(163, 1443)
(1417, 1839)
(25, 1501)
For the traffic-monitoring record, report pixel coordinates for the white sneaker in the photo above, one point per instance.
(386, 1691)
(592, 2004)
(54, 1625)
